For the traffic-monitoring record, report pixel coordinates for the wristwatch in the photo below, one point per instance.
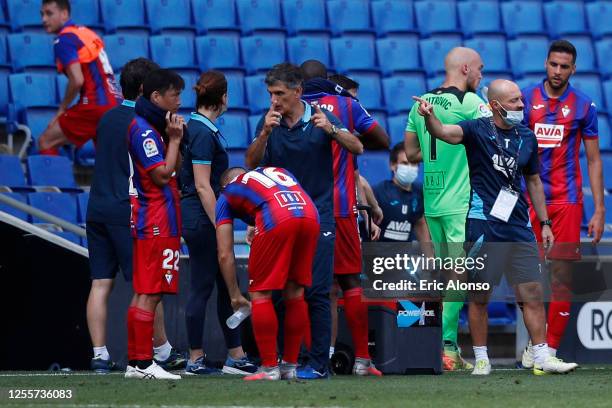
(546, 222)
(334, 130)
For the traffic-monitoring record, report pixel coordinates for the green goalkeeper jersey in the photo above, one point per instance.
(446, 179)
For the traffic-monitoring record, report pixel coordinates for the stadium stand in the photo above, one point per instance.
(22, 15)
(214, 15)
(397, 87)
(260, 15)
(305, 16)
(492, 49)
(604, 56)
(398, 54)
(374, 166)
(261, 52)
(31, 51)
(218, 51)
(173, 51)
(393, 17)
(349, 16)
(82, 200)
(396, 126)
(302, 48)
(565, 17)
(169, 15)
(590, 84)
(514, 23)
(61, 205)
(234, 128)
(33, 90)
(605, 133)
(51, 171)
(433, 50)
(436, 17)
(11, 172)
(86, 12)
(12, 210)
(235, 90)
(353, 53)
(370, 90)
(527, 55)
(122, 48)
(599, 15)
(477, 17)
(257, 93)
(123, 15)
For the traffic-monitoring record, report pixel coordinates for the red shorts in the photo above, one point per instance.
(156, 265)
(79, 123)
(566, 219)
(285, 252)
(347, 249)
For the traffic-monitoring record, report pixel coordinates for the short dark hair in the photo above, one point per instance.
(395, 151)
(61, 4)
(344, 81)
(563, 46)
(210, 89)
(161, 80)
(229, 174)
(287, 73)
(313, 69)
(133, 75)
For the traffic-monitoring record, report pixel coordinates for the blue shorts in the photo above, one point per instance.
(508, 250)
(110, 249)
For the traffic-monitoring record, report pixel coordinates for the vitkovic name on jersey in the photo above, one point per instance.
(440, 101)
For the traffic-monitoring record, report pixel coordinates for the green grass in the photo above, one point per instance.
(588, 387)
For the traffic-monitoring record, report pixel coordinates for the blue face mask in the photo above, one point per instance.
(405, 174)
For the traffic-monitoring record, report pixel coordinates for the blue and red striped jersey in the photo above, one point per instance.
(560, 124)
(155, 210)
(78, 44)
(264, 197)
(356, 119)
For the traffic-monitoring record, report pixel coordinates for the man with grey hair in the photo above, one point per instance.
(298, 137)
(500, 151)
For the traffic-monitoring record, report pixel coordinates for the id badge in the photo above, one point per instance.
(504, 204)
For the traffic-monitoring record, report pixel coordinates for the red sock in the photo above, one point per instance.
(558, 314)
(49, 152)
(140, 329)
(307, 334)
(265, 326)
(356, 312)
(296, 313)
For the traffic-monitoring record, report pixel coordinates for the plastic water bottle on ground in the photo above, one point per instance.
(239, 315)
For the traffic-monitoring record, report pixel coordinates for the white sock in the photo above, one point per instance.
(552, 351)
(162, 352)
(480, 353)
(332, 349)
(540, 353)
(101, 352)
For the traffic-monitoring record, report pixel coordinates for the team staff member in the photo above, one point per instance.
(347, 248)
(295, 136)
(561, 118)
(108, 222)
(281, 257)
(499, 150)
(446, 186)
(204, 160)
(153, 139)
(80, 55)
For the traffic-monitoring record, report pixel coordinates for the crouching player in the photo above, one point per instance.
(286, 234)
(154, 137)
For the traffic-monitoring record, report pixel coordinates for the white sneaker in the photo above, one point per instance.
(152, 372)
(288, 371)
(482, 367)
(265, 373)
(364, 366)
(527, 360)
(554, 365)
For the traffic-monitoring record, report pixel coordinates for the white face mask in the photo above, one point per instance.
(512, 118)
(405, 174)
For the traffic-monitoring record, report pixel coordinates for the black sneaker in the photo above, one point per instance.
(243, 366)
(175, 361)
(101, 366)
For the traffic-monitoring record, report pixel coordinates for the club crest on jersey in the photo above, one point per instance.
(548, 135)
(566, 111)
(168, 277)
(150, 148)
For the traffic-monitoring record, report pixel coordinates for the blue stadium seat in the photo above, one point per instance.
(374, 166)
(302, 48)
(61, 82)
(4, 57)
(436, 16)
(217, 51)
(397, 126)
(12, 210)
(565, 17)
(304, 16)
(605, 132)
(37, 120)
(604, 56)
(123, 15)
(434, 50)
(173, 51)
(599, 15)
(590, 84)
(261, 52)
(607, 89)
(435, 82)
(214, 15)
(23, 13)
(607, 169)
(4, 25)
(61, 205)
(527, 54)
(69, 236)
(31, 50)
(85, 155)
(515, 23)
(86, 12)
(236, 158)
(50, 171)
(33, 90)
(492, 50)
(259, 15)
(399, 89)
(257, 93)
(380, 116)
(253, 121)
(235, 90)
(4, 92)
(234, 128)
(122, 48)
(586, 61)
(82, 200)
(479, 17)
(393, 16)
(398, 54)
(169, 15)
(188, 96)
(11, 172)
(349, 16)
(352, 52)
(370, 90)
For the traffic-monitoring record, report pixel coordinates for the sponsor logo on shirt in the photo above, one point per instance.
(548, 135)
(398, 231)
(150, 148)
(537, 107)
(499, 165)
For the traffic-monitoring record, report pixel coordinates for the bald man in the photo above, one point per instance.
(446, 187)
(500, 149)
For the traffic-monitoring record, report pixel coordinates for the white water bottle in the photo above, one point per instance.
(239, 315)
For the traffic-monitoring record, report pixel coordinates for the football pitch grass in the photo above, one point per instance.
(589, 386)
